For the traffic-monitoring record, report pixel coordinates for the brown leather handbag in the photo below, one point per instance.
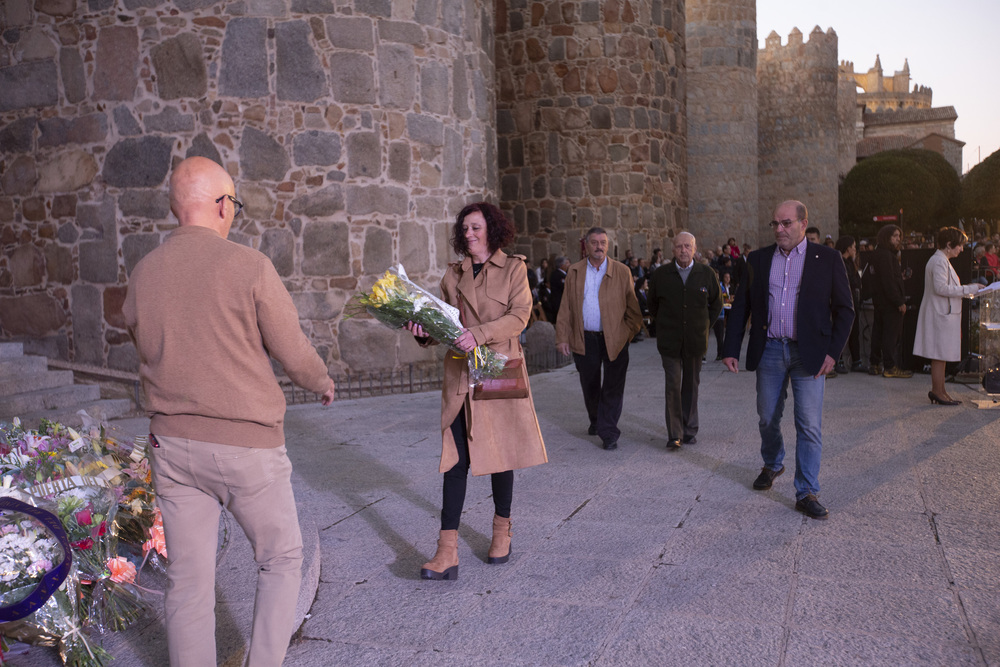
(513, 380)
(512, 383)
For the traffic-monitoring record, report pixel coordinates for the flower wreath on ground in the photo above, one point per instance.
(78, 522)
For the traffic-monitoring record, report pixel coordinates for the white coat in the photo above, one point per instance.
(939, 322)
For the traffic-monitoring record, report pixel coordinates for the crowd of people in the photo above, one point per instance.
(217, 412)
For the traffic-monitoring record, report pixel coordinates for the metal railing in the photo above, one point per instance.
(409, 379)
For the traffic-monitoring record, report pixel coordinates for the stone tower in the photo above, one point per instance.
(591, 122)
(721, 37)
(354, 130)
(798, 128)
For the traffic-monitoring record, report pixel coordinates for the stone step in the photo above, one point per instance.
(11, 350)
(48, 399)
(29, 382)
(17, 366)
(102, 410)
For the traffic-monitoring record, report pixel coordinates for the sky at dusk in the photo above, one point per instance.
(951, 47)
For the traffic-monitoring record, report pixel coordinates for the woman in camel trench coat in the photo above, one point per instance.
(495, 437)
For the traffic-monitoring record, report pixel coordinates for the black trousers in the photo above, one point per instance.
(603, 397)
(453, 491)
(886, 330)
(719, 328)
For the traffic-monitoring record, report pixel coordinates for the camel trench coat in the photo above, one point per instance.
(939, 322)
(496, 304)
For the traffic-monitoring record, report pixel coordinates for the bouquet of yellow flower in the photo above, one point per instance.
(395, 300)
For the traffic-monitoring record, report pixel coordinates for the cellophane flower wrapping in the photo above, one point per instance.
(395, 300)
(97, 482)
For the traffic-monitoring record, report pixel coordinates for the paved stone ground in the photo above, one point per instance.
(643, 556)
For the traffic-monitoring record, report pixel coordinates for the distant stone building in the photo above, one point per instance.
(889, 115)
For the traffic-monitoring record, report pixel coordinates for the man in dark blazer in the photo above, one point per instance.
(798, 301)
(684, 299)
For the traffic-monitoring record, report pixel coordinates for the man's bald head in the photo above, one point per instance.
(195, 185)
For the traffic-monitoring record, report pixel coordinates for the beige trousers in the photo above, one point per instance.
(194, 480)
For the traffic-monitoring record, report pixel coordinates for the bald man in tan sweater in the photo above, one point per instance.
(205, 313)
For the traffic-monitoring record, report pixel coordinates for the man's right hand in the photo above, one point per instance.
(563, 349)
(902, 309)
(732, 363)
(327, 397)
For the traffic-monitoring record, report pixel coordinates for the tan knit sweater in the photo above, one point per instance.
(204, 313)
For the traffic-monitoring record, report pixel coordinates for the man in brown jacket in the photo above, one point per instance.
(204, 313)
(598, 316)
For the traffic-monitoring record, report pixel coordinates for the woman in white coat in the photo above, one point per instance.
(939, 323)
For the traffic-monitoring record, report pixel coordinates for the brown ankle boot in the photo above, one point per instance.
(500, 546)
(444, 565)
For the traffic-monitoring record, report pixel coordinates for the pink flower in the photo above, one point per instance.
(84, 518)
(122, 570)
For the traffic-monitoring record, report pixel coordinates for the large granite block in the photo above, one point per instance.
(138, 163)
(115, 75)
(350, 32)
(321, 203)
(180, 67)
(137, 246)
(352, 78)
(279, 246)
(31, 84)
(244, 58)
(88, 338)
(20, 176)
(300, 75)
(316, 148)
(67, 171)
(367, 199)
(261, 157)
(397, 75)
(325, 249)
(364, 158)
(31, 314)
(18, 136)
(73, 75)
(89, 129)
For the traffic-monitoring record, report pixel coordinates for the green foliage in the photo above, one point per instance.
(884, 185)
(981, 190)
(947, 211)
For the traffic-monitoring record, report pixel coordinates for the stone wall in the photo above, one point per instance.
(354, 130)
(721, 39)
(852, 127)
(798, 126)
(591, 122)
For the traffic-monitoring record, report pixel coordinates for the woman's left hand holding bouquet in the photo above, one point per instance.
(465, 342)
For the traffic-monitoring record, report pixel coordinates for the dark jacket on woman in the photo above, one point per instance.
(887, 279)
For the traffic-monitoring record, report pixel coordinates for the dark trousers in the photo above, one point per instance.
(886, 329)
(719, 328)
(680, 387)
(604, 399)
(455, 480)
(854, 340)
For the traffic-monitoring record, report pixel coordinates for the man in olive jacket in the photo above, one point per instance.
(684, 299)
(598, 316)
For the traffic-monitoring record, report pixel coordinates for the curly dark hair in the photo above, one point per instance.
(499, 230)
(884, 237)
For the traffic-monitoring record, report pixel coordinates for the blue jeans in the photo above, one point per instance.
(779, 364)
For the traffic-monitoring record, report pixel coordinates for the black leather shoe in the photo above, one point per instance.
(674, 444)
(610, 444)
(875, 369)
(811, 508)
(592, 430)
(857, 366)
(766, 478)
(690, 440)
